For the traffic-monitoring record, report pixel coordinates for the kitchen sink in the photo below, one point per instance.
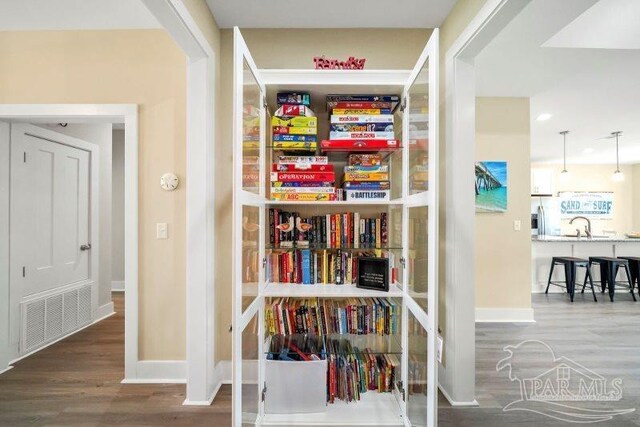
(583, 236)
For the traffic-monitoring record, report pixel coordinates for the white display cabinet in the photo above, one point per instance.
(412, 244)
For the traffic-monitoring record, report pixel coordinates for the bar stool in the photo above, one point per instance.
(634, 267)
(608, 271)
(570, 266)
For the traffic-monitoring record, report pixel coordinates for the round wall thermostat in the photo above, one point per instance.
(169, 181)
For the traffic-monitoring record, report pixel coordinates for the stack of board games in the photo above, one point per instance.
(302, 178)
(361, 123)
(366, 178)
(294, 126)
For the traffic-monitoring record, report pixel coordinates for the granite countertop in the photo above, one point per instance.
(613, 239)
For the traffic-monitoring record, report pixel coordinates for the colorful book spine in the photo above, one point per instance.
(302, 176)
(361, 118)
(361, 127)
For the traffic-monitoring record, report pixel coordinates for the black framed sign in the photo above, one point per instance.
(373, 273)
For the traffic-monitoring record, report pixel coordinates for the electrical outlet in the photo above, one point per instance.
(517, 225)
(161, 230)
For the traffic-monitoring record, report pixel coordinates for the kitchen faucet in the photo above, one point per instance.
(587, 228)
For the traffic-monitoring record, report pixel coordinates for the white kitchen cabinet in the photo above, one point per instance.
(542, 181)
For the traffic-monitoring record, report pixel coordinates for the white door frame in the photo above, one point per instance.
(15, 298)
(104, 113)
(202, 378)
(457, 375)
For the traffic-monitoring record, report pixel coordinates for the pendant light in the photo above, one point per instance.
(564, 175)
(618, 176)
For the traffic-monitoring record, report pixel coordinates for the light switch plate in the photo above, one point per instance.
(517, 225)
(161, 230)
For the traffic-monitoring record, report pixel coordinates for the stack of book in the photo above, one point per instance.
(353, 371)
(294, 126)
(330, 231)
(320, 266)
(357, 316)
(302, 178)
(366, 178)
(361, 123)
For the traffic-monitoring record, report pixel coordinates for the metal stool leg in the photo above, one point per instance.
(572, 280)
(626, 270)
(593, 291)
(611, 281)
(553, 265)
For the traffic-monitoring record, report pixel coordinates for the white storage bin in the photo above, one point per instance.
(295, 387)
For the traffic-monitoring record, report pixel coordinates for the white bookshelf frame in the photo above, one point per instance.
(380, 409)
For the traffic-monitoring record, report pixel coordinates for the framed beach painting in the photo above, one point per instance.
(491, 186)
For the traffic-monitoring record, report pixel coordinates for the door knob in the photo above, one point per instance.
(85, 247)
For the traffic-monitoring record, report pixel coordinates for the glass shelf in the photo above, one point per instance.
(307, 344)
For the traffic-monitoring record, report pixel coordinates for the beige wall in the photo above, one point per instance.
(598, 178)
(384, 49)
(503, 256)
(457, 20)
(144, 67)
(636, 197)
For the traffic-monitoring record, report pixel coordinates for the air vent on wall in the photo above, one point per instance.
(51, 317)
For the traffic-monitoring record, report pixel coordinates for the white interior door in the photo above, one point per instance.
(420, 121)
(50, 219)
(249, 235)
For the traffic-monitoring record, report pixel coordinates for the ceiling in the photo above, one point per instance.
(330, 13)
(74, 15)
(576, 60)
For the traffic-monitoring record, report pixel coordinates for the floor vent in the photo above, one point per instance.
(48, 318)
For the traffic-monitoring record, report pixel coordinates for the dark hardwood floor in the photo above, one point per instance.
(76, 382)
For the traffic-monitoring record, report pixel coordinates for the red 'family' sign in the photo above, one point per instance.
(352, 63)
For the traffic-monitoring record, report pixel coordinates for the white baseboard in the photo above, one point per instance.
(454, 402)
(8, 368)
(221, 375)
(159, 372)
(117, 286)
(104, 311)
(504, 315)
